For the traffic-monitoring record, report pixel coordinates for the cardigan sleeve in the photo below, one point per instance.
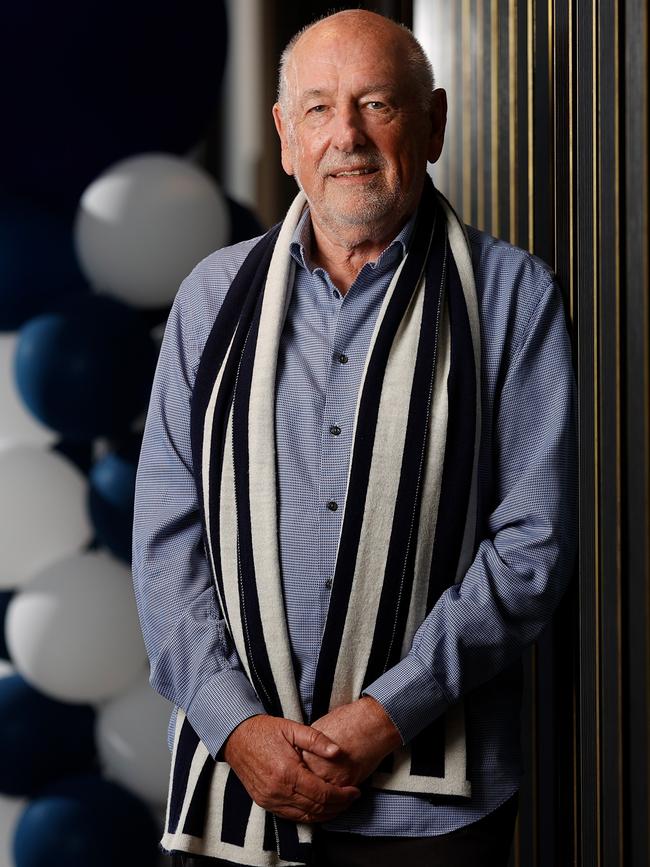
(523, 564)
(193, 663)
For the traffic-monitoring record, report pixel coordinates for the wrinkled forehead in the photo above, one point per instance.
(326, 59)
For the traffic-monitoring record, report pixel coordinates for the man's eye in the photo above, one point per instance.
(375, 104)
(318, 109)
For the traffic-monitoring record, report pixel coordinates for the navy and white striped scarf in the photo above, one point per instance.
(408, 529)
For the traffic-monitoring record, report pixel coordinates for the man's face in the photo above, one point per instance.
(354, 132)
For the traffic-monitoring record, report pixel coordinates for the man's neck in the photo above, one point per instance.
(343, 256)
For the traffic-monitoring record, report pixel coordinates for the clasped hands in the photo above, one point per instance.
(311, 773)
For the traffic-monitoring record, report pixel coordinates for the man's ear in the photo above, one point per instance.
(438, 116)
(287, 163)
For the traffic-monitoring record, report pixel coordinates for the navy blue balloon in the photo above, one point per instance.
(101, 82)
(244, 223)
(86, 821)
(86, 369)
(41, 739)
(5, 599)
(37, 261)
(111, 497)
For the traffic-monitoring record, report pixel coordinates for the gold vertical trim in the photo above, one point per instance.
(574, 689)
(552, 114)
(550, 29)
(597, 381)
(617, 428)
(558, 61)
(494, 115)
(530, 54)
(445, 61)
(645, 191)
(454, 188)
(512, 125)
(480, 116)
(440, 60)
(467, 178)
(571, 168)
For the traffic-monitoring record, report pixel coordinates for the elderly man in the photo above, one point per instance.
(356, 495)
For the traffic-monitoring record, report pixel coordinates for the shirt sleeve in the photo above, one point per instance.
(193, 662)
(523, 564)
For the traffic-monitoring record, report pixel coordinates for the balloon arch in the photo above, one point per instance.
(99, 223)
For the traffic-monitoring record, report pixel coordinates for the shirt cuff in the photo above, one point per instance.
(216, 710)
(410, 695)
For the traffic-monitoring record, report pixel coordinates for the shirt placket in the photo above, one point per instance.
(344, 372)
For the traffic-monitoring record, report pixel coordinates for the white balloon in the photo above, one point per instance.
(17, 424)
(11, 810)
(131, 737)
(43, 512)
(73, 632)
(143, 224)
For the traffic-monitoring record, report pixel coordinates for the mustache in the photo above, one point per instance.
(361, 159)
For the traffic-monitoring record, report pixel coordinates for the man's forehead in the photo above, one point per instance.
(367, 86)
(310, 73)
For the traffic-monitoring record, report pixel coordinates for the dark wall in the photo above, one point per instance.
(547, 147)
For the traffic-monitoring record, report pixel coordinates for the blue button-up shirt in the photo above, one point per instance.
(470, 644)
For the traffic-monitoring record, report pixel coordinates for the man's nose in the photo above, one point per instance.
(348, 130)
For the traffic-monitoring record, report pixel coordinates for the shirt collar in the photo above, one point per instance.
(300, 245)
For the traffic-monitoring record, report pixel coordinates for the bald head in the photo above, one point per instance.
(370, 27)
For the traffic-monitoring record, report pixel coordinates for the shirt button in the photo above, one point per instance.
(328, 583)
(335, 430)
(336, 293)
(332, 505)
(342, 358)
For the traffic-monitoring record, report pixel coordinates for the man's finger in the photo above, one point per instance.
(337, 774)
(307, 738)
(297, 814)
(319, 808)
(296, 805)
(305, 791)
(318, 791)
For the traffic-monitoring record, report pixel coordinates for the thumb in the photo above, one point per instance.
(307, 738)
